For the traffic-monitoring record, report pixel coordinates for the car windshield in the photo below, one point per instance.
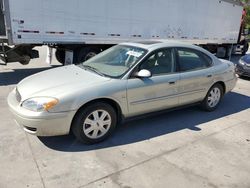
(115, 61)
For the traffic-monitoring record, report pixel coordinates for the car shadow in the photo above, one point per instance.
(16, 75)
(154, 126)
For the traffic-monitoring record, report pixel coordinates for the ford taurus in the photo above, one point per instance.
(127, 80)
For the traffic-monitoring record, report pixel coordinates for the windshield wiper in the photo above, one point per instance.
(93, 69)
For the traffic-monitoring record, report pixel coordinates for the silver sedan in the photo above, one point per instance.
(126, 80)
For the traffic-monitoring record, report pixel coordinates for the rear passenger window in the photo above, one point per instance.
(192, 60)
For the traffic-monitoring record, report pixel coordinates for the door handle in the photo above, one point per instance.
(171, 83)
(209, 76)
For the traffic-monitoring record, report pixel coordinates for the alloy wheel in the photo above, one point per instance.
(97, 124)
(214, 97)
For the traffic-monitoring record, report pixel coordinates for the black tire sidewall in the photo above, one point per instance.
(77, 126)
(60, 56)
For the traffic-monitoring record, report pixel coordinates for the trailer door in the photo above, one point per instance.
(2, 20)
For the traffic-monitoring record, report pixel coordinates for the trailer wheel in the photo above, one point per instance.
(87, 53)
(60, 56)
(25, 60)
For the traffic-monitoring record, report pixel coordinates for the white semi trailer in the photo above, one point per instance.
(86, 27)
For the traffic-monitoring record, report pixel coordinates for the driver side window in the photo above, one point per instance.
(160, 62)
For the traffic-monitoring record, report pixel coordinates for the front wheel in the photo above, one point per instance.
(213, 98)
(94, 123)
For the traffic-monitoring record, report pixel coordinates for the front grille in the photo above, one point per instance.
(18, 96)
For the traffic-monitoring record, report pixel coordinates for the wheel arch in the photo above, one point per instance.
(222, 84)
(109, 101)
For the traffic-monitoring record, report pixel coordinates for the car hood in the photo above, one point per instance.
(58, 80)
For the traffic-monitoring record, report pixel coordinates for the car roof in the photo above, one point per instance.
(157, 44)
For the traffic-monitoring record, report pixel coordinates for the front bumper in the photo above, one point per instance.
(243, 70)
(40, 123)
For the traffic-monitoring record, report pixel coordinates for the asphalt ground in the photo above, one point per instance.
(183, 148)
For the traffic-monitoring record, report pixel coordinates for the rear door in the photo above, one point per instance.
(196, 75)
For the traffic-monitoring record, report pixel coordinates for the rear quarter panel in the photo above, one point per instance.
(224, 71)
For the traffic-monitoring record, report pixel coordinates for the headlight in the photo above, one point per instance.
(241, 62)
(40, 104)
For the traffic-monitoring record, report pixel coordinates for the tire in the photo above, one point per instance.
(60, 56)
(90, 127)
(25, 60)
(213, 98)
(87, 53)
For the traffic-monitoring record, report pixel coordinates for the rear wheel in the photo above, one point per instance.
(94, 123)
(213, 98)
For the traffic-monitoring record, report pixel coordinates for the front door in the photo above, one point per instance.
(159, 91)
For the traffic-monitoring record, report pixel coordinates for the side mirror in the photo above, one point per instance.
(144, 74)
